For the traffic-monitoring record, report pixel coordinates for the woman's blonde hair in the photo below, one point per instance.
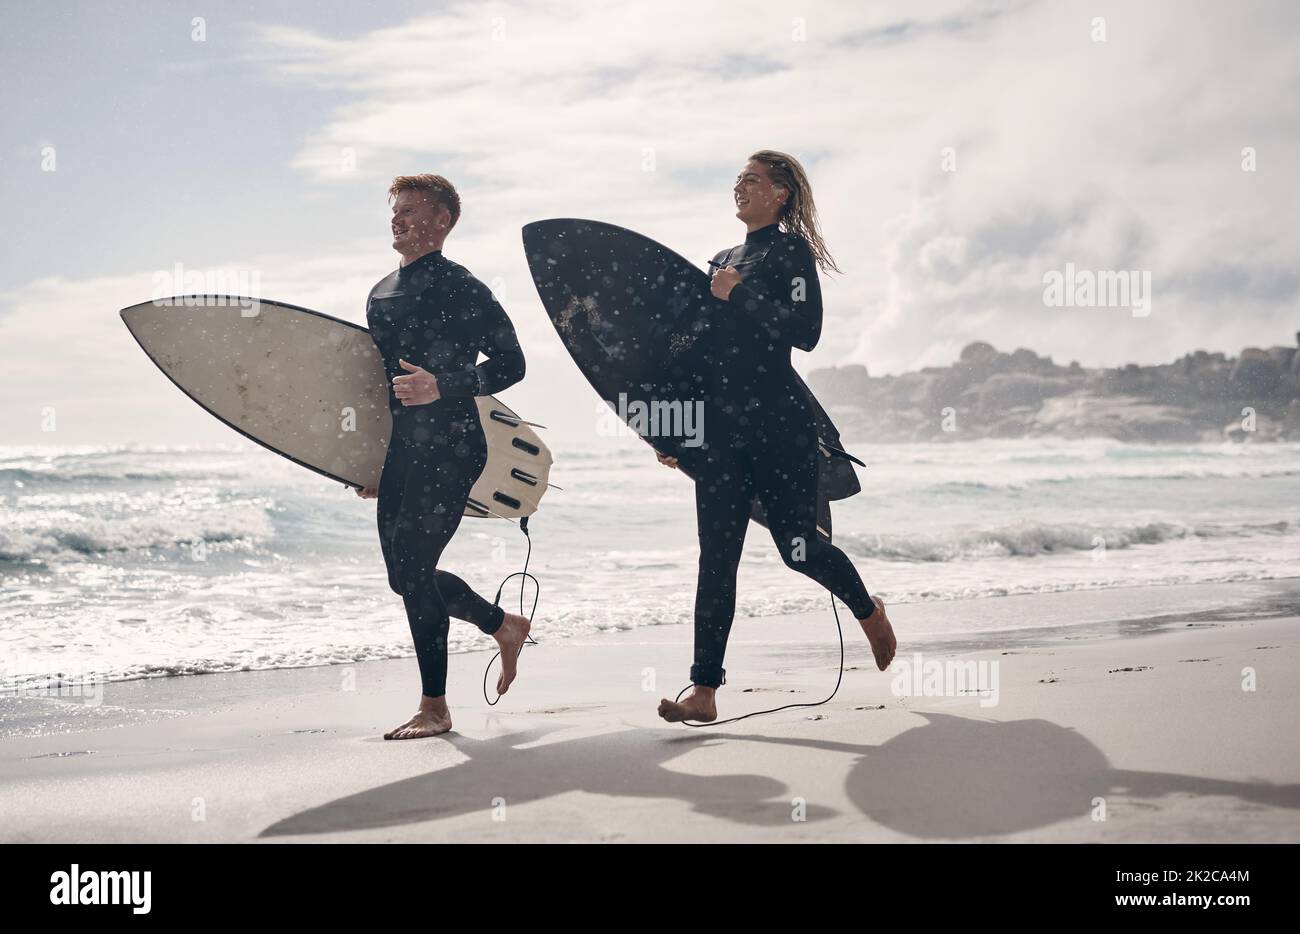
(799, 213)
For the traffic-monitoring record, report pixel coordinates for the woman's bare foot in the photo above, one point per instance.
(880, 634)
(511, 638)
(431, 719)
(698, 705)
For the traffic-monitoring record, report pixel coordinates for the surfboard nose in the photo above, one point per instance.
(546, 234)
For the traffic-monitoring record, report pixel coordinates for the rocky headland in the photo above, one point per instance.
(987, 393)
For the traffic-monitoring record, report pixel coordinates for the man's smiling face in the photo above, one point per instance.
(419, 225)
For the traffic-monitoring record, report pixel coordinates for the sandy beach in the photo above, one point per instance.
(1135, 724)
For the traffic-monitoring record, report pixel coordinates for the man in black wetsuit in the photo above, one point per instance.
(431, 319)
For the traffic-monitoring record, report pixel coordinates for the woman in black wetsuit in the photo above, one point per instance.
(430, 320)
(762, 439)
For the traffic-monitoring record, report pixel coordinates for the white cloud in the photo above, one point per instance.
(1123, 154)
(1116, 154)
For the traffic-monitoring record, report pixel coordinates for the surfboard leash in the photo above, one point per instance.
(839, 630)
(524, 577)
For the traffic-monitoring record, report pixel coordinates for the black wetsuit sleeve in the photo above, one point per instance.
(494, 336)
(795, 316)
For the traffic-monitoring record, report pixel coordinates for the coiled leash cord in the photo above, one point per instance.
(839, 631)
(524, 577)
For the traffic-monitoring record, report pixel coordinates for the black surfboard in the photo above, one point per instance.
(633, 315)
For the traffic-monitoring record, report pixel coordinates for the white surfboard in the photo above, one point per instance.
(312, 388)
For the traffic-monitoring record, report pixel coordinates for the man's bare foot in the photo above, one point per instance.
(697, 705)
(511, 638)
(880, 634)
(431, 719)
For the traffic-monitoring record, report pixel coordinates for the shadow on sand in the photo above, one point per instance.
(950, 777)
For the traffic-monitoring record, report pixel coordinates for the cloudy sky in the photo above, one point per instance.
(958, 152)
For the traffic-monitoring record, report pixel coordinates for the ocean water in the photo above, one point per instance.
(130, 562)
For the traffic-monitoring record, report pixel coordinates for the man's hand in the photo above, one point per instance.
(724, 280)
(368, 492)
(666, 460)
(417, 387)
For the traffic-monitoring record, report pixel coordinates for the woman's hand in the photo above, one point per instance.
(666, 460)
(418, 387)
(368, 492)
(724, 280)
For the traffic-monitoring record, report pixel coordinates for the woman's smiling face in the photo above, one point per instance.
(758, 200)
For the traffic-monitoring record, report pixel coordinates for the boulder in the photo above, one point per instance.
(1005, 391)
(978, 354)
(1124, 418)
(1254, 376)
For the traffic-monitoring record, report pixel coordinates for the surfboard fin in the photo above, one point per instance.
(513, 421)
(506, 499)
(479, 507)
(832, 451)
(523, 476)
